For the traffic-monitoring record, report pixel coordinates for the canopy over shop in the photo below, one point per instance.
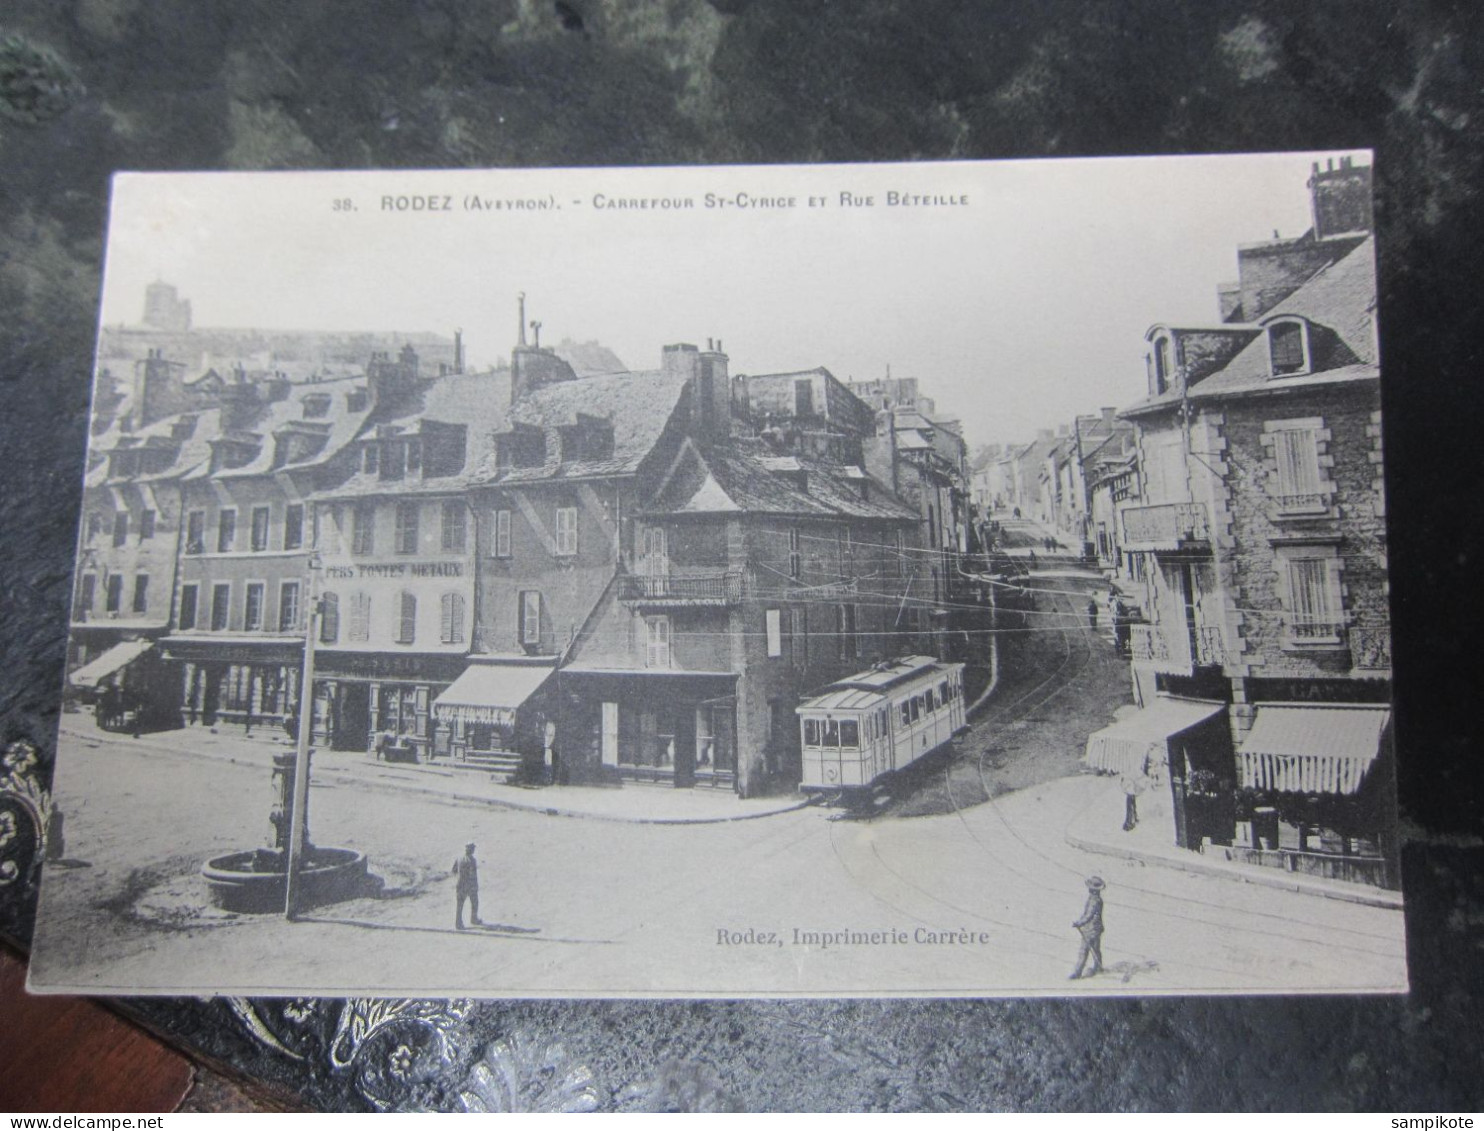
(1303, 749)
(482, 707)
(1124, 747)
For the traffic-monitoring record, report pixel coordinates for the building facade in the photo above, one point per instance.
(1260, 540)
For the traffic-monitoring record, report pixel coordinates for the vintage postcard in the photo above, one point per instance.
(954, 579)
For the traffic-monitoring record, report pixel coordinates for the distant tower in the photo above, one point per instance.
(164, 309)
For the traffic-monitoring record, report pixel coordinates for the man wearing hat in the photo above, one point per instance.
(466, 868)
(1091, 928)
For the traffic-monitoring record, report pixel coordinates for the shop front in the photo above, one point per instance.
(131, 686)
(1175, 755)
(372, 700)
(673, 728)
(495, 715)
(1317, 791)
(248, 681)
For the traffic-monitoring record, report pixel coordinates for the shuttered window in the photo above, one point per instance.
(451, 619)
(360, 616)
(530, 617)
(329, 618)
(407, 619)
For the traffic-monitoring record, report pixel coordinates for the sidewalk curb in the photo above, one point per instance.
(340, 775)
(1257, 875)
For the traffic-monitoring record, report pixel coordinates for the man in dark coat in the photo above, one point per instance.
(1091, 928)
(466, 868)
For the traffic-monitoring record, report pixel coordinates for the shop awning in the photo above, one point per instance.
(491, 693)
(1123, 747)
(117, 657)
(1311, 749)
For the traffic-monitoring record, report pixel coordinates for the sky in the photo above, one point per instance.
(1017, 300)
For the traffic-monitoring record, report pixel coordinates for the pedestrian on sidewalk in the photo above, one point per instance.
(1092, 614)
(466, 868)
(1133, 785)
(1091, 928)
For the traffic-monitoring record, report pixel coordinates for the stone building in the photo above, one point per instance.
(1261, 538)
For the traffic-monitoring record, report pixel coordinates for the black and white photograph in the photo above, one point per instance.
(958, 579)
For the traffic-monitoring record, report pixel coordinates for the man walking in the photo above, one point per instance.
(466, 868)
(1091, 928)
(1092, 613)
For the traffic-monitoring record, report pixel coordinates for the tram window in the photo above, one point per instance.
(850, 736)
(831, 733)
(916, 707)
(906, 712)
(811, 732)
(943, 692)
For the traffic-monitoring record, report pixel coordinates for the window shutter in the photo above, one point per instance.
(407, 624)
(360, 616)
(329, 624)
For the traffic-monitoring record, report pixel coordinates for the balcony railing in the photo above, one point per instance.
(721, 587)
(1301, 504)
(1151, 648)
(1167, 526)
(1370, 648)
(1171, 652)
(1210, 646)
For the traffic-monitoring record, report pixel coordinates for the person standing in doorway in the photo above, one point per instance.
(1091, 928)
(466, 869)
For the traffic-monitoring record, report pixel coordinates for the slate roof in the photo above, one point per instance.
(339, 426)
(636, 405)
(1339, 304)
(193, 454)
(478, 401)
(737, 476)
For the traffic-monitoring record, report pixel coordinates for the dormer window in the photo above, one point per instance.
(1163, 366)
(316, 404)
(1288, 347)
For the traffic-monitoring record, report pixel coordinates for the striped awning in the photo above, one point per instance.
(491, 693)
(1301, 749)
(1124, 747)
(117, 657)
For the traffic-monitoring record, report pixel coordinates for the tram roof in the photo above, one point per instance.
(861, 689)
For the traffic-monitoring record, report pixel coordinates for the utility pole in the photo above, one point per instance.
(298, 811)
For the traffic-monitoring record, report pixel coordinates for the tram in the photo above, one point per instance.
(878, 721)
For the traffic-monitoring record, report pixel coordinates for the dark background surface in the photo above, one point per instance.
(91, 86)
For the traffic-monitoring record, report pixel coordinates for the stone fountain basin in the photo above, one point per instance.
(255, 880)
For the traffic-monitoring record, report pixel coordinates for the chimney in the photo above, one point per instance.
(532, 367)
(458, 351)
(1340, 199)
(1109, 412)
(711, 394)
(879, 452)
(679, 360)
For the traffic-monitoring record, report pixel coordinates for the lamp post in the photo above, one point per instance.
(298, 812)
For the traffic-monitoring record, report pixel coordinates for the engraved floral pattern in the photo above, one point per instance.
(22, 795)
(517, 1074)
